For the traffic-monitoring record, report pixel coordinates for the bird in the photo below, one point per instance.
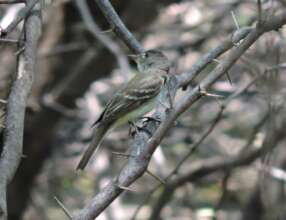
(137, 98)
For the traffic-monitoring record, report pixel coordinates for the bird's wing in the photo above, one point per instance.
(139, 90)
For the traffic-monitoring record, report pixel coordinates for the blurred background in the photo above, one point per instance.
(76, 75)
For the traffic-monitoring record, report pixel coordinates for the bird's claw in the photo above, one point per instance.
(137, 129)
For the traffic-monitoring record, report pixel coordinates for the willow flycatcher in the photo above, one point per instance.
(134, 100)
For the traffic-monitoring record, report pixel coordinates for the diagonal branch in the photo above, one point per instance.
(105, 40)
(119, 27)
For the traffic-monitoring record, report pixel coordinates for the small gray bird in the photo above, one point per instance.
(134, 100)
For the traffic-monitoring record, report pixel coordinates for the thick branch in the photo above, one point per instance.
(14, 124)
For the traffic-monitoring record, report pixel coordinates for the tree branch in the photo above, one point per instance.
(11, 1)
(185, 78)
(119, 27)
(105, 40)
(16, 106)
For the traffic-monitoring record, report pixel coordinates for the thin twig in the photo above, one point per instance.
(12, 1)
(63, 48)
(119, 27)
(7, 40)
(65, 210)
(224, 189)
(259, 11)
(235, 20)
(159, 179)
(126, 188)
(104, 39)
(122, 154)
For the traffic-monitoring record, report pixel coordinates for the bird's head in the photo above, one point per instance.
(151, 60)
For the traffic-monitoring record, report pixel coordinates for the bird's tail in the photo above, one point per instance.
(93, 146)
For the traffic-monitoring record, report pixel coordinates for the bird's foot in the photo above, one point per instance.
(135, 129)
